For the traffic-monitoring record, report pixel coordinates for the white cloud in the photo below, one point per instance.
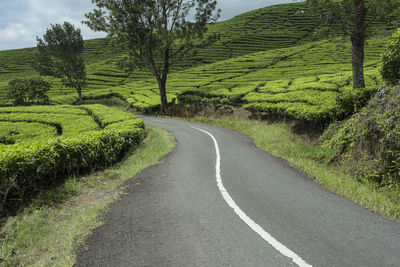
(15, 32)
(19, 29)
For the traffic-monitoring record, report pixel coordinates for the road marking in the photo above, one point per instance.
(252, 224)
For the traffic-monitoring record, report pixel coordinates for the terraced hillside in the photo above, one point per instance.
(266, 59)
(275, 81)
(254, 31)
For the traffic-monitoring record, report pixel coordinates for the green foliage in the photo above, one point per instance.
(60, 109)
(193, 97)
(320, 99)
(30, 91)
(40, 158)
(106, 116)
(66, 124)
(369, 141)
(157, 33)
(390, 69)
(60, 55)
(351, 100)
(12, 132)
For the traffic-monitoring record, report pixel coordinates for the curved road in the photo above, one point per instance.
(217, 200)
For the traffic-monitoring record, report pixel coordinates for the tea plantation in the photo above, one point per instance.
(259, 61)
(304, 78)
(42, 144)
(267, 60)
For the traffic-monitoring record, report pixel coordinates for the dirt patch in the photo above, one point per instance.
(309, 132)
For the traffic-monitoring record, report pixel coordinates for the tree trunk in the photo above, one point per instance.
(358, 38)
(358, 43)
(79, 90)
(163, 96)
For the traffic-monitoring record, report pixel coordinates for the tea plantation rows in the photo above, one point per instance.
(258, 61)
(304, 82)
(42, 144)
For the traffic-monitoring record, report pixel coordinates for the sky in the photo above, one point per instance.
(22, 20)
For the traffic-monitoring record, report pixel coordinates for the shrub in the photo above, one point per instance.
(32, 166)
(390, 69)
(28, 166)
(30, 91)
(369, 142)
(351, 100)
(199, 98)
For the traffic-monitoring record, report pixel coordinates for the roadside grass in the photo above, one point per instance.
(278, 140)
(49, 231)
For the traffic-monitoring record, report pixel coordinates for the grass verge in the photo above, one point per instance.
(279, 141)
(49, 231)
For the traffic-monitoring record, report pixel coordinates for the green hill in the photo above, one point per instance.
(267, 60)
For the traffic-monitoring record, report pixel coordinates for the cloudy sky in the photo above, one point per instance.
(22, 20)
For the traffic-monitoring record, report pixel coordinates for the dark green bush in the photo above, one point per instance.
(6, 140)
(390, 69)
(351, 100)
(369, 141)
(189, 99)
(30, 91)
(198, 98)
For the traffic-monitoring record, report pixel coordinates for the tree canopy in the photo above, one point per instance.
(390, 69)
(60, 55)
(30, 91)
(156, 32)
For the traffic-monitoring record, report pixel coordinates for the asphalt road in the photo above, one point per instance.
(217, 200)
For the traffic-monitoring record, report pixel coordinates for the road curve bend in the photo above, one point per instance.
(217, 200)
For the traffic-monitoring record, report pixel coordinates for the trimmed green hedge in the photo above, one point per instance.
(194, 97)
(28, 167)
(390, 69)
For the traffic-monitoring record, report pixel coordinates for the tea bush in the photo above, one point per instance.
(32, 91)
(39, 158)
(390, 69)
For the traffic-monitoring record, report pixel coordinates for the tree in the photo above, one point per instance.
(156, 32)
(352, 18)
(28, 91)
(60, 55)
